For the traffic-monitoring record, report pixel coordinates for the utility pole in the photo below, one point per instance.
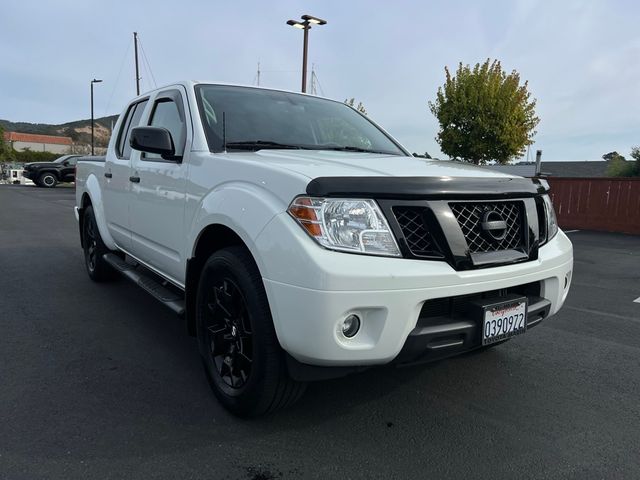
(135, 47)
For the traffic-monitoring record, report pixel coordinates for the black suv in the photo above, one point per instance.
(49, 174)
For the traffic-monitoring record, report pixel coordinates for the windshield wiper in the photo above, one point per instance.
(349, 148)
(261, 144)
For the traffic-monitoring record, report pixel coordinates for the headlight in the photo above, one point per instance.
(345, 224)
(550, 216)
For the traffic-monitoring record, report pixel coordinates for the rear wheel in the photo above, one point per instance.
(94, 248)
(240, 351)
(47, 180)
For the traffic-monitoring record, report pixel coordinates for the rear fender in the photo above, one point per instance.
(92, 187)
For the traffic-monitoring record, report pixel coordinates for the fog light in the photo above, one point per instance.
(350, 326)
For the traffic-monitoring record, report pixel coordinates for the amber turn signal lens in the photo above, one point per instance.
(305, 213)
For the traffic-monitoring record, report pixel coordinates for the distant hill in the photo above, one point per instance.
(79, 131)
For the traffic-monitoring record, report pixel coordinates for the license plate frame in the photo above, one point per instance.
(495, 322)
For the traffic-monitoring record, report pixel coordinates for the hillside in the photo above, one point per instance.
(79, 130)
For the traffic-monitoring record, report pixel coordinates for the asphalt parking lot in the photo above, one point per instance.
(100, 381)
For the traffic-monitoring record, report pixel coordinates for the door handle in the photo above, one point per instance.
(134, 179)
(108, 174)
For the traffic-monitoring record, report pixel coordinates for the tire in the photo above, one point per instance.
(240, 352)
(94, 248)
(47, 180)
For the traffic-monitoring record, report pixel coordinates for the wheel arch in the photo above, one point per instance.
(212, 238)
(93, 194)
(53, 171)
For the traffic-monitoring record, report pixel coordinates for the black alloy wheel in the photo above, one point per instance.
(94, 249)
(91, 244)
(240, 351)
(229, 335)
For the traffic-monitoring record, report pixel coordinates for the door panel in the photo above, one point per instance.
(158, 200)
(117, 187)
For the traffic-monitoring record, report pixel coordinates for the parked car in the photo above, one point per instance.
(49, 174)
(300, 241)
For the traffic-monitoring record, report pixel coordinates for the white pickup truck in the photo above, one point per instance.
(300, 241)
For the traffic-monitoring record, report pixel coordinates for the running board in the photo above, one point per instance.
(148, 282)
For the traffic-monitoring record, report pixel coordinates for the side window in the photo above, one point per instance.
(133, 120)
(71, 162)
(123, 131)
(167, 114)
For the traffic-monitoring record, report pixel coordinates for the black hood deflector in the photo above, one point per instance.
(415, 188)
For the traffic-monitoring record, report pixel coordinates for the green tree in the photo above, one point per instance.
(619, 166)
(635, 154)
(360, 107)
(3, 146)
(484, 114)
(611, 156)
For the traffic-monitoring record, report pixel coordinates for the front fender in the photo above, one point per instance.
(92, 187)
(42, 171)
(243, 207)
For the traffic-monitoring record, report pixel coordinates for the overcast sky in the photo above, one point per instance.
(581, 58)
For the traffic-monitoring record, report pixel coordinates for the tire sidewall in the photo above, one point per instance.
(42, 180)
(265, 349)
(102, 271)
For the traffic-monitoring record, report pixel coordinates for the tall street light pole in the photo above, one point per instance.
(92, 82)
(305, 24)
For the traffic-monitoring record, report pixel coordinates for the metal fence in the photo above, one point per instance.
(605, 204)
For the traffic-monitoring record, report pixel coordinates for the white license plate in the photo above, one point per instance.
(504, 320)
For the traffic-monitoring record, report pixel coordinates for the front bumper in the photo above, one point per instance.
(27, 174)
(386, 293)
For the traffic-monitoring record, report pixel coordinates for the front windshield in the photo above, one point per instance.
(256, 119)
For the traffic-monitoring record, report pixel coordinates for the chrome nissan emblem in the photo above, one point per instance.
(494, 225)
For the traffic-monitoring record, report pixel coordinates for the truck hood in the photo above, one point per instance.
(323, 163)
(39, 164)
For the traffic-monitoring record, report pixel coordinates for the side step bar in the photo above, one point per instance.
(148, 282)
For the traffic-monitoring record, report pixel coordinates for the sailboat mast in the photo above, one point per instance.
(135, 47)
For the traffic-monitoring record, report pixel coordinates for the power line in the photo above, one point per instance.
(146, 60)
(115, 85)
(315, 81)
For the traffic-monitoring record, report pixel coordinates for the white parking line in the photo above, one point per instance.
(570, 231)
(637, 300)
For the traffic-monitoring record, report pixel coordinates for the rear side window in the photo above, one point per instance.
(167, 114)
(132, 120)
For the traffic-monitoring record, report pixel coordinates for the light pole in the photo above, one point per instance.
(305, 24)
(92, 82)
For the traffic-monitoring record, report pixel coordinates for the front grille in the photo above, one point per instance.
(470, 217)
(414, 229)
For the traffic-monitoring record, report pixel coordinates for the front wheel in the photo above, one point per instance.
(47, 180)
(240, 351)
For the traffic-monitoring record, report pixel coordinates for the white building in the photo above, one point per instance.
(38, 143)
